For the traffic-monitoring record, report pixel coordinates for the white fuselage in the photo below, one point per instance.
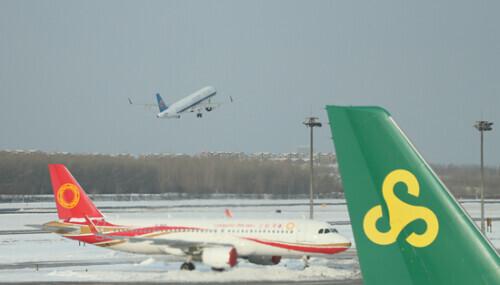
(190, 103)
(286, 238)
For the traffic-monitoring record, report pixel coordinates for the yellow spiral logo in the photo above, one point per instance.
(400, 213)
(62, 196)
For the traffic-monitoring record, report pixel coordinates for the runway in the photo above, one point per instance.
(37, 265)
(93, 267)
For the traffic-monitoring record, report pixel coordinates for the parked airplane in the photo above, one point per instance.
(197, 102)
(407, 226)
(217, 243)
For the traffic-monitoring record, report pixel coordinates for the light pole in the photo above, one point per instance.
(482, 126)
(311, 122)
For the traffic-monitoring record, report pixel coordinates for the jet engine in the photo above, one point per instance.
(219, 257)
(264, 260)
(208, 109)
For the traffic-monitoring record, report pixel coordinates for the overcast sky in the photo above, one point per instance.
(67, 68)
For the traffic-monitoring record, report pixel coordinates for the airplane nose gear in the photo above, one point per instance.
(199, 115)
(189, 266)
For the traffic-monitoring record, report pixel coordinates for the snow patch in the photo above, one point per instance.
(233, 275)
(147, 261)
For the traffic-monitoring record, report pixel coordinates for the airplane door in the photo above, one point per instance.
(302, 232)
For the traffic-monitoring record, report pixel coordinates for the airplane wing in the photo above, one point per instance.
(187, 246)
(207, 105)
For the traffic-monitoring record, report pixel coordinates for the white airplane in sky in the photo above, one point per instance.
(218, 243)
(198, 102)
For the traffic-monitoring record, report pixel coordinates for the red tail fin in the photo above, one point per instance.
(71, 200)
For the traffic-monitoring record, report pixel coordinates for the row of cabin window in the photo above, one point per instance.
(258, 231)
(215, 231)
(172, 230)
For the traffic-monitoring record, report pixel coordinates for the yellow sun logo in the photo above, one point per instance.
(68, 200)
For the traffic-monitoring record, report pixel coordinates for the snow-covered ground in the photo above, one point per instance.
(152, 270)
(20, 254)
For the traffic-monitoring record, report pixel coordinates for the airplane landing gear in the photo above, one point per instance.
(199, 115)
(305, 259)
(189, 266)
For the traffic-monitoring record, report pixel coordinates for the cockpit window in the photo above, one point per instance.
(327, 231)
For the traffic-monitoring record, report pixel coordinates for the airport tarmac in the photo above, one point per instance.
(317, 282)
(31, 256)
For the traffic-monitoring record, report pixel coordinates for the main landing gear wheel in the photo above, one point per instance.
(199, 115)
(189, 266)
(305, 259)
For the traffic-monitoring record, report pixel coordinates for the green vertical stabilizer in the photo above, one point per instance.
(407, 226)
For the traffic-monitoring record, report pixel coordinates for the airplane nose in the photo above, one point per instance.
(343, 240)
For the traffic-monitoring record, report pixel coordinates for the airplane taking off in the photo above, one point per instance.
(197, 102)
(407, 226)
(216, 243)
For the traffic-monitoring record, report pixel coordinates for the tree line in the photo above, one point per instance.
(26, 174)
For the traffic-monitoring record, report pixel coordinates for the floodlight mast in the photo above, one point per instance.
(482, 126)
(311, 122)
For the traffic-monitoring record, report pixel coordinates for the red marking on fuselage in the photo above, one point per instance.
(122, 231)
(89, 238)
(97, 222)
(302, 248)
